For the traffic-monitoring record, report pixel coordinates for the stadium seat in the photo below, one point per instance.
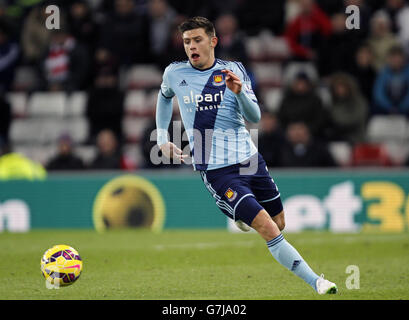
(77, 128)
(341, 152)
(325, 95)
(18, 103)
(86, 152)
(397, 151)
(277, 48)
(25, 79)
(141, 77)
(387, 128)
(76, 104)
(133, 152)
(39, 153)
(25, 131)
(370, 154)
(45, 130)
(268, 74)
(255, 48)
(47, 104)
(293, 68)
(135, 103)
(134, 127)
(266, 47)
(272, 98)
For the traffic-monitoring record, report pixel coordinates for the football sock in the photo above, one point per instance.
(289, 257)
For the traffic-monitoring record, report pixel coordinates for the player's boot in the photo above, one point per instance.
(325, 287)
(242, 226)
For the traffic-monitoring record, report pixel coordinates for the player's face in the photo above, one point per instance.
(199, 48)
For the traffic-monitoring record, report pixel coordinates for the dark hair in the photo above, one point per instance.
(198, 22)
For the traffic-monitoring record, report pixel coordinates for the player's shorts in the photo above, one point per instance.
(242, 190)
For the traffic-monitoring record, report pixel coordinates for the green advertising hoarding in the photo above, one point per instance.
(339, 201)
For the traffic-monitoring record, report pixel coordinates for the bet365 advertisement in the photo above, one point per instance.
(339, 201)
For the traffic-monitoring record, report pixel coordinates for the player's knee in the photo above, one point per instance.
(281, 225)
(265, 226)
(280, 220)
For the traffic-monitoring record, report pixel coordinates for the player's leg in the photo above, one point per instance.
(235, 199)
(276, 211)
(265, 226)
(284, 252)
(279, 220)
(267, 194)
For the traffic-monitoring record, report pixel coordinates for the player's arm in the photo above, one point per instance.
(247, 104)
(164, 109)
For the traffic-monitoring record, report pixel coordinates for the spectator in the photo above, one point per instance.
(362, 69)
(301, 150)
(381, 38)
(125, 33)
(5, 119)
(65, 65)
(340, 47)
(231, 45)
(394, 9)
(391, 91)
(161, 19)
(255, 16)
(65, 158)
(35, 37)
(308, 32)
(12, 21)
(105, 106)
(15, 166)
(175, 50)
(398, 12)
(108, 154)
(82, 25)
(103, 60)
(270, 139)
(349, 110)
(9, 55)
(301, 103)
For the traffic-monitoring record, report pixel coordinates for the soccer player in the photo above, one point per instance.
(214, 98)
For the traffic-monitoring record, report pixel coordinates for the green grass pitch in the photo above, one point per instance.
(203, 264)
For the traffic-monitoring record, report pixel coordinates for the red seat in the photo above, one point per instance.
(370, 154)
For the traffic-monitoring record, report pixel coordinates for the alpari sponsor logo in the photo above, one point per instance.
(212, 99)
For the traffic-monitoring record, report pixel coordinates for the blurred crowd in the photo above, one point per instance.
(365, 69)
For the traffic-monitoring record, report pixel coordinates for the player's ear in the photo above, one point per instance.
(213, 42)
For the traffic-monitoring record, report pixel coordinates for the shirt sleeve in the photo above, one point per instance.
(246, 99)
(165, 87)
(164, 109)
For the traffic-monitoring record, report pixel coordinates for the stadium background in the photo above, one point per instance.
(91, 86)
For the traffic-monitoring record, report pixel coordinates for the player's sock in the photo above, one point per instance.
(289, 257)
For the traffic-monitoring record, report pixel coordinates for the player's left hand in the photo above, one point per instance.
(233, 82)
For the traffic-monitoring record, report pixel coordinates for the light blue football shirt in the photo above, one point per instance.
(210, 112)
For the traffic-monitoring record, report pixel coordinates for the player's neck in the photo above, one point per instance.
(210, 64)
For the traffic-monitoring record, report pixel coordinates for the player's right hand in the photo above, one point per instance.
(171, 151)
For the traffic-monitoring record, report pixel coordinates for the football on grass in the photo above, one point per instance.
(61, 265)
